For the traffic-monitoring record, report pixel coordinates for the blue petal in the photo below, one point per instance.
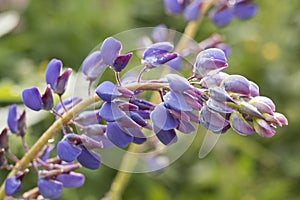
(240, 125)
(93, 66)
(53, 72)
(50, 188)
(160, 33)
(210, 61)
(162, 118)
(157, 49)
(173, 6)
(222, 17)
(186, 127)
(236, 84)
(89, 159)
(176, 101)
(167, 137)
(111, 112)
(67, 151)
(192, 11)
(12, 119)
(178, 83)
(13, 186)
(117, 136)
(71, 180)
(176, 63)
(244, 11)
(107, 91)
(138, 118)
(138, 135)
(121, 62)
(32, 98)
(212, 121)
(110, 50)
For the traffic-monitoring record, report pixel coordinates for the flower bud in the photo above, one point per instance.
(263, 128)
(93, 66)
(210, 61)
(33, 99)
(110, 50)
(107, 91)
(240, 125)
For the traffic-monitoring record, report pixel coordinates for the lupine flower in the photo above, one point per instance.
(71, 180)
(33, 99)
(58, 81)
(117, 136)
(13, 185)
(210, 61)
(74, 146)
(107, 91)
(223, 13)
(50, 188)
(93, 66)
(16, 122)
(110, 53)
(158, 54)
(191, 10)
(240, 125)
(236, 84)
(68, 103)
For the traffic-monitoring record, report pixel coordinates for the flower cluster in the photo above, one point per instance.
(209, 97)
(221, 14)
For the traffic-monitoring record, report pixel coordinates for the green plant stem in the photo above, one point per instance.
(122, 178)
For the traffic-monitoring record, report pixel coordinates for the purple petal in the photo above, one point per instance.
(126, 93)
(176, 101)
(244, 11)
(71, 180)
(167, 137)
(281, 118)
(186, 127)
(67, 151)
(142, 104)
(117, 136)
(176, 63)
(53, 72)
(222, 16)
(13, 186)
(263, 128)
(50, 188)
(62, 82)
(138, 118)
(32, 98)
(265, 100)
(107, 91)
(212, 121)
(214, 80)
(111, 112)
(89, 159)
(249, 109)
(236, 84)
(121, 62)
(219, 94)
(12, 119)
(127, 122)
(254, 89)
(110, 50)
(178, 83)
(144, 113)
(210, 61)
(173, 6)
(261, 106)
(219, 107)
(47, 99)
(88, 117)
(162, 119)
(138, 135)
(69, 104)
(240, 125)
(158, 49)
(160, 33)
(192, 11)
(93, 66)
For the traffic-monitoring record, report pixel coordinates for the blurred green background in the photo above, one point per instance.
(265, 49)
